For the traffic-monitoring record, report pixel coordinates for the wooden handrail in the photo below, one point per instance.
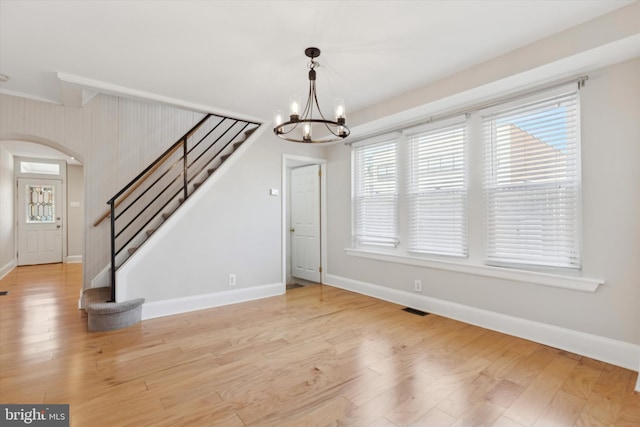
(135, 186)
(131, 187)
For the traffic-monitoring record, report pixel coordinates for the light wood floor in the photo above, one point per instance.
(317, 356)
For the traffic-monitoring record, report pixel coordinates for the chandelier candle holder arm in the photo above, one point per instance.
(299, 128)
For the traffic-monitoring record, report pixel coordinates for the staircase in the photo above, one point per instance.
(144, 204)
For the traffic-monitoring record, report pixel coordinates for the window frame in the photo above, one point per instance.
(530, 189)
(393, 239)
(417, 176)
(475, 263)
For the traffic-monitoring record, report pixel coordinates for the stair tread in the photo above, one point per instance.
(96, 295)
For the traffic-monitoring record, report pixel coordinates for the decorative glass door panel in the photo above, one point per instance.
(40, 204)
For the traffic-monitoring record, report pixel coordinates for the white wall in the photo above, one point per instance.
(75, 212)
(114, 138)
(7, 219)
(611, 230)
(587, 46)
(233, 226)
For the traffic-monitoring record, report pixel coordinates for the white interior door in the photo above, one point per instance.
(305, 223)
(39, 221)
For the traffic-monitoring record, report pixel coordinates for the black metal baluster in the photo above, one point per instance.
(185, 182)
(113, 251)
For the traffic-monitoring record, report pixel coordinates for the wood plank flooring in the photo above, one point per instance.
(317, 356)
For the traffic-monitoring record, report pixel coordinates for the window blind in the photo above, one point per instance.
(437, 190)
(376, 193)
(532, 183)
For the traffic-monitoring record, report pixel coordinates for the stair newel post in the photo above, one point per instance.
(113, 250)
(184, 167)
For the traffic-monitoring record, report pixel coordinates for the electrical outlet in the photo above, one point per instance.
(417, 285)
(232, 280)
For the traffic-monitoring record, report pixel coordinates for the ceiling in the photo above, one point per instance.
(248, 56)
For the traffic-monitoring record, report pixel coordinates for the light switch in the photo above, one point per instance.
(274, 191)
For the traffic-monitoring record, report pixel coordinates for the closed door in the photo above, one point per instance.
(39, 221)
(305, 223)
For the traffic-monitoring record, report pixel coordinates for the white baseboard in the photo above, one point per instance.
(73, 259)
(151, 310)
(608, 350)
(638, 381)
(6, 269)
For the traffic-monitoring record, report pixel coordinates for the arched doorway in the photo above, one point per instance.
(19, 162)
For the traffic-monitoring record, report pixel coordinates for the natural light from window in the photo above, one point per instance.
(40, 168)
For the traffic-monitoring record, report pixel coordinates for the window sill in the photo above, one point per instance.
(581, 284)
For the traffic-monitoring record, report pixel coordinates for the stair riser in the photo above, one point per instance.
(111, 322)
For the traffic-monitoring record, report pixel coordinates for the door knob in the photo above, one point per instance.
(58, 226)
(293, 230)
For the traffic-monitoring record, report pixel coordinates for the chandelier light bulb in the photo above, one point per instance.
(277, 118)
(294, 110)
(340, 110)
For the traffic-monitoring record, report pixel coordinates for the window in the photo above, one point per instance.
(437, 190)
(375, 193)
(40, 168)
(532, 183)
(40, 204)
(499, 186)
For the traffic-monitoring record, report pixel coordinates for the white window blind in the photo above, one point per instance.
(437, 190)
(375, 193)
(532, 183)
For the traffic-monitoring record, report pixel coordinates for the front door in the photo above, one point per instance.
(39, 221)
(305, 223)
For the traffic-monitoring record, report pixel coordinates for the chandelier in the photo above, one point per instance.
(300, 127)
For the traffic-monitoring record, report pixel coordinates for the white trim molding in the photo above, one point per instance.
(153, 309)
(91, 85)
(73, 259)
(6, 269)
(608, 350)
(581, 284)
(290, 161)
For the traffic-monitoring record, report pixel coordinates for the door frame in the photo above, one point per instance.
(289, 162)
(62, 176)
